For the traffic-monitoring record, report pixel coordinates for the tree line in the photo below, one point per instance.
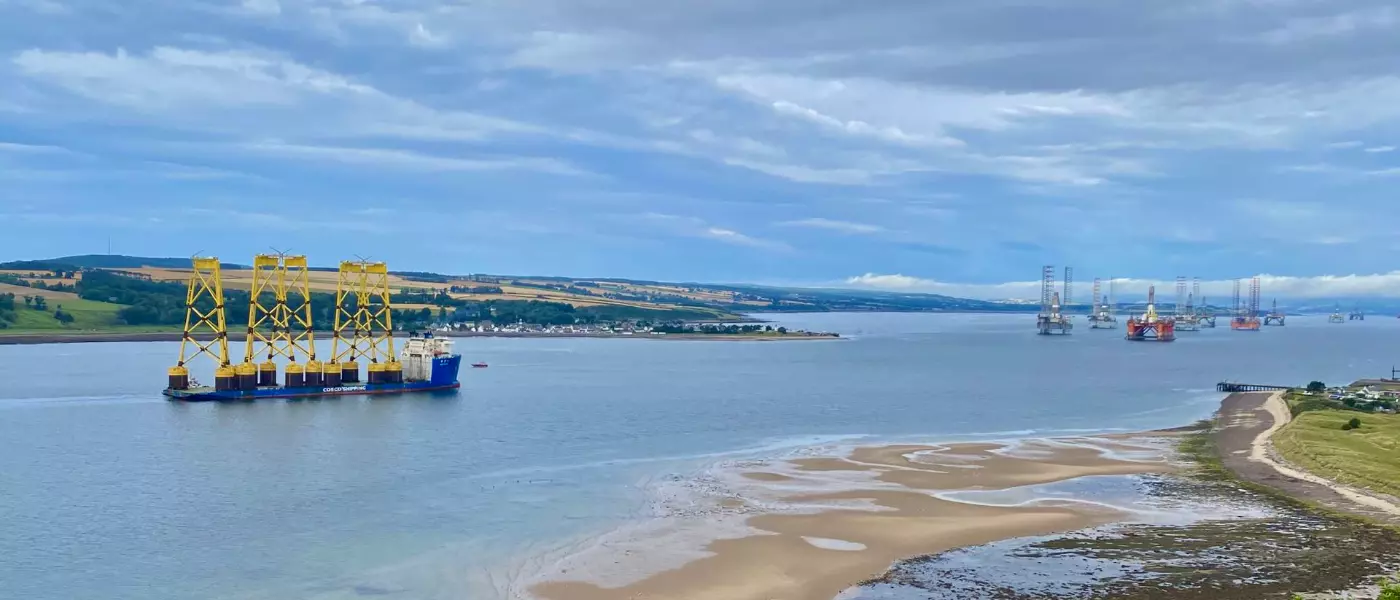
(7, 311)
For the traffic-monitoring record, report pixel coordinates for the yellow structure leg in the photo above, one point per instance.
(204, 314)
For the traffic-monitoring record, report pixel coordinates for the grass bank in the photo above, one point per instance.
(87, 315)
(1367, 457)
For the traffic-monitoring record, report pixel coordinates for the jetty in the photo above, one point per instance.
(1226, 386)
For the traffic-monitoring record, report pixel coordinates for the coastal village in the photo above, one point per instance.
(624, 329)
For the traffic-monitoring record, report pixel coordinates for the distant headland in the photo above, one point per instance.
(100, 296)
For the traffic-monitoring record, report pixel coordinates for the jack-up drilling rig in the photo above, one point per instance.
(1356, 314)
(1185, 317)
(1051, 320)
(1101, 313)
(1336, 316)
(1275, 316)
(1246, 316)
(1205, 317)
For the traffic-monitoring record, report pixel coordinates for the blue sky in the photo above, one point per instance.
(914, 145)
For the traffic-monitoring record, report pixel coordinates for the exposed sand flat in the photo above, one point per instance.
(860, 532)
(769, 477)
(996, 466)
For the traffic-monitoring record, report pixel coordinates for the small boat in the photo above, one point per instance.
(478, 365)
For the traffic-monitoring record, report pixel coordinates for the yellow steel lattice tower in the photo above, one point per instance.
(262, 307)
(296, 308)
(379, 312)
(204, 313)
(348, 338)
(344, 336)
(279, 316)
(364, 326)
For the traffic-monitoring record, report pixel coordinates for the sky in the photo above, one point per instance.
(913, 145)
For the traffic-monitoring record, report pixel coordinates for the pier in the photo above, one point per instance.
(1226, 386)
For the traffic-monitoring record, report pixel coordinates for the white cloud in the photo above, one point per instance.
(891, 282)
(834, 225)
(251, 94)
(277, 221)
(1344, 145)
(1314, 28)
(423, 38)
(808, 174)
(1377, 149)
(696, 227)
(1281, 212)
(32, 149)
(410, 160)
(43, 7)
(902, 113)
(262, 7)
(1313, 168)
(861, 128)
(729, 236)
(1323, 286)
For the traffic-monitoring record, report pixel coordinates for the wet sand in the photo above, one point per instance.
(818, 526)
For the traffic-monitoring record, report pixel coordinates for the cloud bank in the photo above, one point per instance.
(1384, 285)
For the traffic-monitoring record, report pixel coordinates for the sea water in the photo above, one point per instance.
(108, 491)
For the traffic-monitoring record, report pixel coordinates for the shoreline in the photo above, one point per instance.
(1245, 447)
(844, 518)
(822, 527)
(77, 337)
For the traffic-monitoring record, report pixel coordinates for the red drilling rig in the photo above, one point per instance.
(1150, 327)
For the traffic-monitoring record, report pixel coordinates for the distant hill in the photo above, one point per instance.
(119, 261)
(835, 299)
(724, 299)
(105, 261)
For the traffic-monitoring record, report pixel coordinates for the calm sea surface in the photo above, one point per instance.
(109, 492)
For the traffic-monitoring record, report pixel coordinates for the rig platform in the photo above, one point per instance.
(1150, 327)
(1051, 320)
(1246, 315)
(1275, 317)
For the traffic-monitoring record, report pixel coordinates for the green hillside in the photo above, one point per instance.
(87, 315)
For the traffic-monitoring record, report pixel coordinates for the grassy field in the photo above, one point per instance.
(21, 291)
(1368, 457)
(511, 289)
(242, 279)
(87, 315)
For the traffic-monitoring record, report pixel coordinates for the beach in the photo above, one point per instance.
(813, 527)
(819, 527)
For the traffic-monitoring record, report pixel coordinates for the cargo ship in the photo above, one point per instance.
(427, 364)
(279, 327)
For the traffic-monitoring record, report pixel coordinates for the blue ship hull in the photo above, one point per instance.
(444, 377)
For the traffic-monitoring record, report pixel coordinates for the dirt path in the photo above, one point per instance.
(1248, 420)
